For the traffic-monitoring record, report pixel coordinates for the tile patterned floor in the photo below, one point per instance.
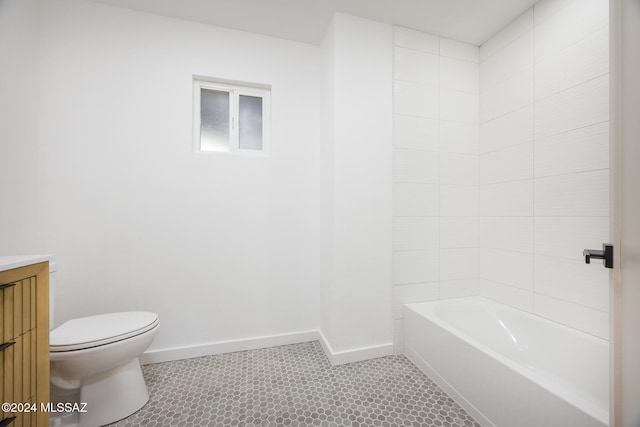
(293, 385)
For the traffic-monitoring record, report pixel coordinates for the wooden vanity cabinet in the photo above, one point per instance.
(24, 338)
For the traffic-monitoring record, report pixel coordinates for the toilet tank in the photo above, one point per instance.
(52, 292)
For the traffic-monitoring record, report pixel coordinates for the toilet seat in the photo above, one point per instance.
(102, 329)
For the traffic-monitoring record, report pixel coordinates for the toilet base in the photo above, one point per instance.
(113, 395)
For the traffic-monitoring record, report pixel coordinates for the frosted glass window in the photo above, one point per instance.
(250, 122)
(230, 117)
(214, 120)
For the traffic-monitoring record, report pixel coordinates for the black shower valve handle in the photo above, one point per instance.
(606, 255)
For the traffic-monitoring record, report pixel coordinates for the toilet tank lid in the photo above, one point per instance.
(91, 331)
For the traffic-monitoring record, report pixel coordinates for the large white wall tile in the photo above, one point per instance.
(415, 233)
(406, 37)
(415, 267)
(513, 128)
(572, 280)
(459, 75)
(544, 162)
(562, 25)
(459, 232)
(415, 166)
(416, 100)
(415, 66)
(508, 295)
(567, 236)
(459, 50)
(577, 194)
(509, 95)
(458, 137)
(507, 267)
(458, 288)
(580, 150)
(458, 263)
(417, 292)
(416, 133)
(458, 169)
(579, 106)
(459, 200)
(454, 111)
(507, 35)
(576, 64)
(514, 198)
(509, 164)
(511, 60)
(459, 106)
(507, 233)
(577, 316)
(546, 9)
(415, 200)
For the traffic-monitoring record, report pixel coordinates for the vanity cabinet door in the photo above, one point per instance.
(24, 344)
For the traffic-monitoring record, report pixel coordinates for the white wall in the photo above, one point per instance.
(227, 248)
(356, 188)
(18, 126)
(224, 248)
(221, 247)
(544, 162)
(435, 170)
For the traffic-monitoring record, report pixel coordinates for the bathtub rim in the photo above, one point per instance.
(590, 406)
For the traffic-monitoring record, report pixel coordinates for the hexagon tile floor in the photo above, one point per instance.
(293, 385)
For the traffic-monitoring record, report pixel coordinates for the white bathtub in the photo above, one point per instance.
(509, 368)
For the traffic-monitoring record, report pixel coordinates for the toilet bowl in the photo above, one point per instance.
(94, 364)
(94, 361)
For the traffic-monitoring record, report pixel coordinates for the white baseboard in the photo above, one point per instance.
(188, 352)
(335, 358)
(353, 355)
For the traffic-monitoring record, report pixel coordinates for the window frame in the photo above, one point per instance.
(235, 90)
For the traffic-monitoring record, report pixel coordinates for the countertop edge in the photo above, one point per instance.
(16, 261)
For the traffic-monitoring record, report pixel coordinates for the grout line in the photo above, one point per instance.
(439, 169)
(553, 135)
(482, 123)
(582, 83)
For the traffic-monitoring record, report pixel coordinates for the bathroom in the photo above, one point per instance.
(348, 217)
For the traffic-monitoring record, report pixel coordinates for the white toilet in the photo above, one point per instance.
(94, 360)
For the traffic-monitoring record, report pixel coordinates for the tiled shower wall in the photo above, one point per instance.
(505, 208)
(435, 167)
(544, 162)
